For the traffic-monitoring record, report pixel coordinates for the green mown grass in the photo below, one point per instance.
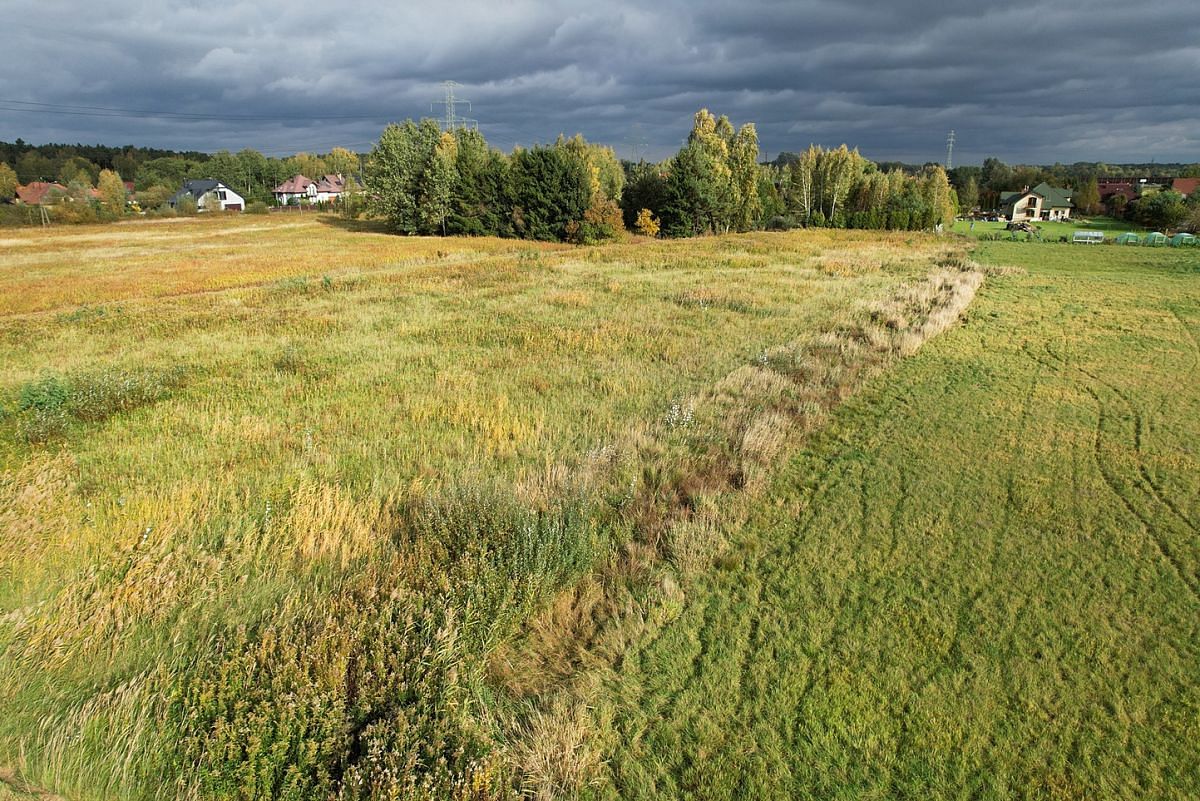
(980, 580)
(1053, 231)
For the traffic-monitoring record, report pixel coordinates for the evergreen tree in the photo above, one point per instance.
(549, 193)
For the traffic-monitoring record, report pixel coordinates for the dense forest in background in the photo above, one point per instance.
(424, 180)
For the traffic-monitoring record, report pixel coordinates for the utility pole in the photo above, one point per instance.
(950, 152)
(451, 120)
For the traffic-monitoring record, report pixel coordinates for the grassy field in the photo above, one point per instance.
(980, 580)
(1052, 231)
(273, 490)
(296, 509)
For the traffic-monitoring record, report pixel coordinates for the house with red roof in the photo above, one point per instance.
(1185, 186)
(330, 187)
(296, 188)
(38, 193)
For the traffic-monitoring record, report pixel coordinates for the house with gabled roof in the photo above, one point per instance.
(40, 193)
(330, 187)
(298, 187)
(1044, 202)
(205, 191)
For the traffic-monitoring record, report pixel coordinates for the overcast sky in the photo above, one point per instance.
(1029, 81)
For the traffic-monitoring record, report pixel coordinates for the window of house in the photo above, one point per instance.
(221, 194)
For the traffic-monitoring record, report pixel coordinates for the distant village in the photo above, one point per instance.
(206, 194)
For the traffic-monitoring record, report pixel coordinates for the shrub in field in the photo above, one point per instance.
(46, 407)
(97, 396)
(646, 224)
(291, 359)
(256, 207)
(42, 409)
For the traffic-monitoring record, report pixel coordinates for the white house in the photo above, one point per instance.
(1043, 202)
(298, 187)
(330, 187)
(202, 190)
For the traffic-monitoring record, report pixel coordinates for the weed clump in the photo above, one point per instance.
(45, 408)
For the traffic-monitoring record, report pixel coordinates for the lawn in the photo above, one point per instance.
(980, 580)
(273, 489)
(1053, 231)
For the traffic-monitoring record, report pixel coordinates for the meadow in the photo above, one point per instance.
(980, 580)
(291, 508)
(276, 495)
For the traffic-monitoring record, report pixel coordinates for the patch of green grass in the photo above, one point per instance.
(981, 580)
(1053, 231)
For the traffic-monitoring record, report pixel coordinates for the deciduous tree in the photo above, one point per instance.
(8, 183)
(1087, 199)
(646, 224)
(112, 193)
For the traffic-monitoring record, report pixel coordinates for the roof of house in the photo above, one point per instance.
(197, 188)
(1055, 198)
(331, 183)
(1052, 196)
(296, 185)
(1127, 191)
(1185, 186)
(34, 193)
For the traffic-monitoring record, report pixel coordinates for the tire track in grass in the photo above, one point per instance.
(884, 420)
(1147, 483)
(1114, 486)
(1142, 480)
(1150, 486)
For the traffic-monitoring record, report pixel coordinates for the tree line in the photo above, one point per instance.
(423, 180)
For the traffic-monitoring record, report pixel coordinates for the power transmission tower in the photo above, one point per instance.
(636, 142)
(950, 152)
(451, 120)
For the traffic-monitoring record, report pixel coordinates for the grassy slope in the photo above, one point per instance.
(173, 571)
(982, 581)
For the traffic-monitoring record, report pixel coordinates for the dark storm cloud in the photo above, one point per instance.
(1039, 81)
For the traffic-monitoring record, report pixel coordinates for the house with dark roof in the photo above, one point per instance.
(1043, 202)
(206, 191)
